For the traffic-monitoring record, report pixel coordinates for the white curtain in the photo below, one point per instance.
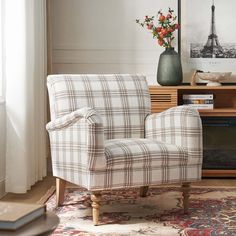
(25, 73)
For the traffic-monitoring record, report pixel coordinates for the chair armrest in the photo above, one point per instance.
(180, 126)
(77, 143)
(70, 119)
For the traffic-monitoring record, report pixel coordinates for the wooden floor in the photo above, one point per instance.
(39, 189)
(33, 195)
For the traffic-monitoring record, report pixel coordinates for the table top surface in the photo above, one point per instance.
(43, 225)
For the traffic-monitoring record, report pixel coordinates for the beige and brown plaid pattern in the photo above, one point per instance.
(143, 150)
(77, 143)
(143, 154)
(180, 126)
(123, 101)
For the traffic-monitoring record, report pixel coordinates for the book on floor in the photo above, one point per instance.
(14, 215)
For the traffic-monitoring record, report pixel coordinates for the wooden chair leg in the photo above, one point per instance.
(60, 191)
(186, 194)
(96, 198)
(143, 191)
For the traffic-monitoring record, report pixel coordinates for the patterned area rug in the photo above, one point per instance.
(212, 212)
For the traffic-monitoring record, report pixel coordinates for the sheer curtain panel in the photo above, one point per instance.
(25, 40)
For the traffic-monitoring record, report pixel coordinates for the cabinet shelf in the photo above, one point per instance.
(219, 112)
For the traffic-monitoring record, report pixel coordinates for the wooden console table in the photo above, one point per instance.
(164, 97)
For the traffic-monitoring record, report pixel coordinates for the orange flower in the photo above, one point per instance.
(162, 18)
(162, 27)
(164, 32)
(158, 29)
(169, 30)
(160, 42)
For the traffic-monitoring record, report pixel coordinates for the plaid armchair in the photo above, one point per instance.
(103, 136)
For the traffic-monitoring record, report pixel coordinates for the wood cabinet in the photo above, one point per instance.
(164, 97)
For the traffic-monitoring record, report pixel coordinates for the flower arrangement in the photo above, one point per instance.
(164, 29)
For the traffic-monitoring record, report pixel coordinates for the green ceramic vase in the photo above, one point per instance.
(169, 71)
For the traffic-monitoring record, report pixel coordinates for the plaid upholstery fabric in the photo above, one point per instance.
(136, 177)
(123, 101)
(125, 154)
(77, 143)
(87, 109)
(179, 126)
(87, 113)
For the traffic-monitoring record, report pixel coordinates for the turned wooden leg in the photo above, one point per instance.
(186, 194)
(96, 198)
(60, 191)
(143, 191)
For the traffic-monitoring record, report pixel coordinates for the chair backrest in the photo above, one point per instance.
(123, 101)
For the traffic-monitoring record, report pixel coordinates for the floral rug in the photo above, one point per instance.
(212, 212)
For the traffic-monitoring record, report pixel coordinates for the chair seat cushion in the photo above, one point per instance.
(143, 153)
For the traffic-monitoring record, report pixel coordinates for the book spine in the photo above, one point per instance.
(202, 106)
(198, 101)
(198, 96)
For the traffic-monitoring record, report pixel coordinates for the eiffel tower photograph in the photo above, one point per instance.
(219, 43)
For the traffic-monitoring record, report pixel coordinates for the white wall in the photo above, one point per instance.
(102, 37)
(2, 148)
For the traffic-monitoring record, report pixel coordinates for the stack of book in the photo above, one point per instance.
(199, 101)
(15, 215)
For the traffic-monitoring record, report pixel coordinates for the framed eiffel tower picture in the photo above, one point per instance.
(208, 36)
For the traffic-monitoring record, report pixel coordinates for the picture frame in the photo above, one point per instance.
(204, 43)
(179, 31)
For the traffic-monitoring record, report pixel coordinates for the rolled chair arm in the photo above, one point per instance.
(70, 119)
(77, 143)
(180, 126)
